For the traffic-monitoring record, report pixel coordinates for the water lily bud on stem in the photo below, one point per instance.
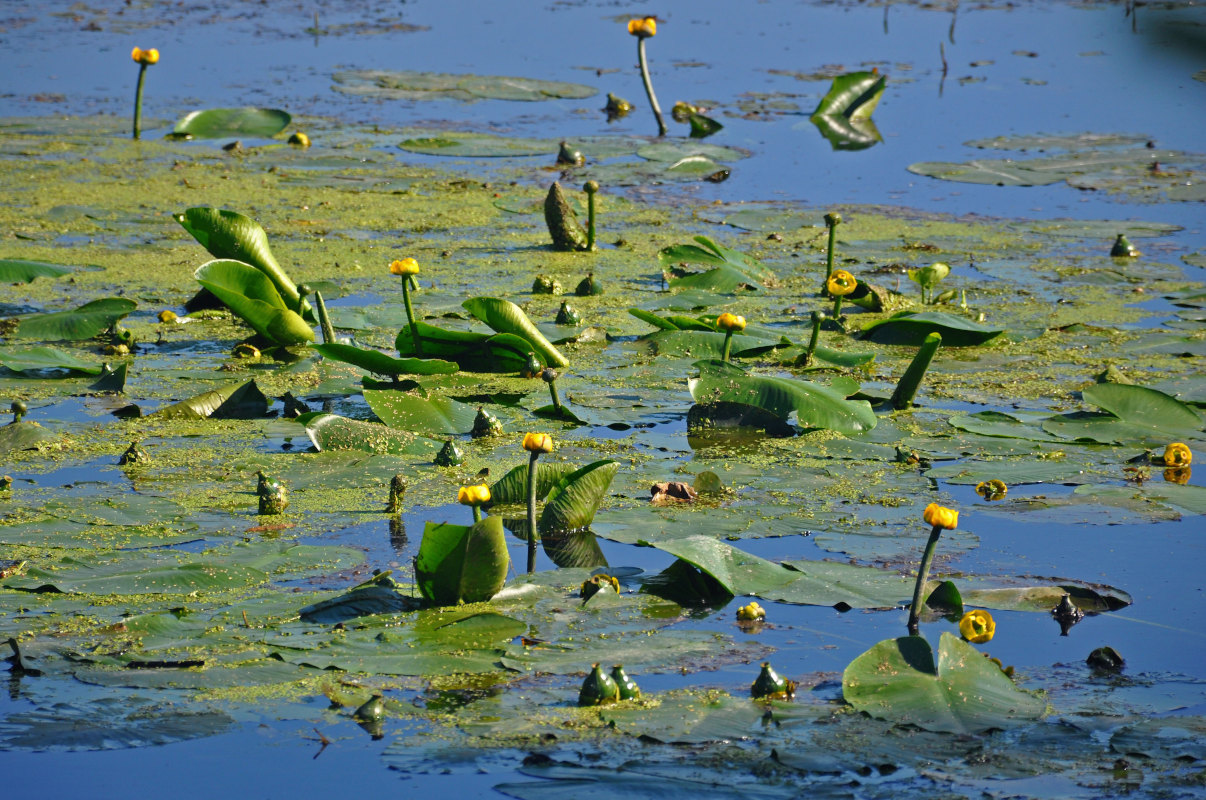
(839, 284)
(408, 268)
(591, 188)
(549, 375)
(730, 324)
(644, 28)
(906, 390)
(941, 519)
(832, 220)
(474, 496)
(144, 59)
(535, 444)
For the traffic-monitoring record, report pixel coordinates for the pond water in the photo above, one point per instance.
(1074, 70)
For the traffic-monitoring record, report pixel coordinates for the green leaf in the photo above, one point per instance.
(230, 235)
(653, 319)
(111, 379)
(236, 401)
(462, 563)
(472, 351)
(816, 406)
(513, 487)
(253, 297)
(16, 270)
(379, 363)
(132, 576)
(725, 280)
(506, 317)
(963, 692)
(333, 432)
(219, 123)
(911, 328)
(573, 501)
(39, 358)
(853, 95)
(415, 85)
(1139, 405)
(437, 416)
(23, 436)
(711, 254)
(85, 322)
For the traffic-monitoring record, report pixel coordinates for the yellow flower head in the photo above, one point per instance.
(145, 56)
(644, 27)
(167, 315)
(405, 267)
(977, 627)
(941, 517)
(841, 283)
(751, 613)
(473, 495)
(538, 443)
(1177, 455)
(730, 323)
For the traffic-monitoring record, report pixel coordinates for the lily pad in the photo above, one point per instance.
(379, 363)
(436, 416)
(85, 322)
(333, 432)
(911, 328)
(414, 85)
(961, 692)
(40, 358)
(15, 270)
(572, 502)
(253, 296)
(506, 317)
(236, 401)
(218, 123)
(462, 563)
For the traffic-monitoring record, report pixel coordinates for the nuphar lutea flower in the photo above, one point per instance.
(977, 627)
(940, 517)
(146, 57)
(643, 27)
(841, 283)
(1177, 455)
(473, 495)
(407, 266)
(730, 323)
(538, 443)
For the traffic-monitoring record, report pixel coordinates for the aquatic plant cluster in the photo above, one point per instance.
(792, 386)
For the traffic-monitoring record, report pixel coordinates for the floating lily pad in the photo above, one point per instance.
(380, 364)
(911, 328)
(108, 723)
(85, 322)
(236, 401)
(959, 692)
(436, 416)
(15, 270)
(39, 358)
(333, 432)
(218, 123)
(412, 85)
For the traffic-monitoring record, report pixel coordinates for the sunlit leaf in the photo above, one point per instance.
(39, 358)
(506, 317)
(218, 123)
(911, 328)
(462, 563)
(236, 401)
(85, 322)
(333, 432)
(432, 417)
(572, 502)
(379, 363)
(16, 270)
(251, 295)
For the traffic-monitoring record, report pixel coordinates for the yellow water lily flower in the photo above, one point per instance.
(167, 315)
(751, 612)
(940, 517)
(538, 443)
(643, 27)
(841, 283)
(473, 495)
(977, 627)
(730, 323)
(145, 56)
(1177, 455)
(407, 266)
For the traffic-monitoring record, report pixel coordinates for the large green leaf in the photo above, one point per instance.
(16, 270)
(708, 344)
(84, 322)
(573, 501)
(728, 268)
(462, 563)
(911, 328)
(963, 692)
(333, 432)
(816, 406)
(102, 574)
(473, 351)
(415, 85)
(843, 116)
(23, 436)
(39, 358)
(513, 487)
(436, 416)
(230, 235)
(379, 363)
(251, 295)
(1139, 405)
(236, 401)
(219, 123)
(506, 317)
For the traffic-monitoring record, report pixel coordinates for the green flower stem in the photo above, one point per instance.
(590, 221)
(812, 341)
(324, 322)
(657, 111)
(923, 575)
(728, 344)
(907, 388)
(532, 512)
(837, 306)
(410, 317)
(556, 399)
(142, 74)
(477, 514)
(829, 253)
(413, 281)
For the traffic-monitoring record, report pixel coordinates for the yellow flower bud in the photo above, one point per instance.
(751, 613)
(1177, 455)
(167, 315)
(941, 517)
(977, 627)
(407, 266)
(730, 323)
(841, 283)
(473, 495)
(145, 56)
(644, 27)
(538, 443)
(299, 139)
